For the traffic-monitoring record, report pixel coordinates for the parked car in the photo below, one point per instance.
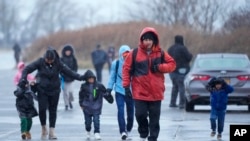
(233, 68)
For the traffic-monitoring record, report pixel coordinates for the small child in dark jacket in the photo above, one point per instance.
(219, 90)
(91, 100)
(26, 108)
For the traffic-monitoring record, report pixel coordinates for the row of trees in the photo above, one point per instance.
(47, 16)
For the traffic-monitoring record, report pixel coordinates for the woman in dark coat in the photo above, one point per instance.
(48, 86)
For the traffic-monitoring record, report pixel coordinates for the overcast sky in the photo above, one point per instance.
(110, 10)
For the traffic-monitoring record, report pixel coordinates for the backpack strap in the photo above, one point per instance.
(116, 69)
(134, 53)
(162, 56)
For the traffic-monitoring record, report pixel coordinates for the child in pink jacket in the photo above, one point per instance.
(18, 75)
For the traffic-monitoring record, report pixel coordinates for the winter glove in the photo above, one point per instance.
(109, 91)
(108, 96)
(128, 92)
(82, 78)
(22, 83)
(154, 68)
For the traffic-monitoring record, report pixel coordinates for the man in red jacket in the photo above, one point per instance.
(145, 72)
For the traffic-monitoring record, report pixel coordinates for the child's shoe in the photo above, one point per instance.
(23, 136)
(97, 136)
(142, 139)
(212, 133)
(219, 137)
(28, 135)
(124, 136)
(88, 135)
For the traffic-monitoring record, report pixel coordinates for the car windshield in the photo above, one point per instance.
(208, 63)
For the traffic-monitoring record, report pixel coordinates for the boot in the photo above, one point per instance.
(23, 136)
(52, 135)
(28, 135)
(44, 132)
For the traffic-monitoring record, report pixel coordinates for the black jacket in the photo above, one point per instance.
(47, 77)
(99, 57)
(181, 56)
(70, 61)
(24, 102)
(91, 95)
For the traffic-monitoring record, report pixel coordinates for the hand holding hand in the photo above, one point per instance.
(128, 92)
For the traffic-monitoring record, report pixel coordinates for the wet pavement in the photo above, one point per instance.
(176, 124)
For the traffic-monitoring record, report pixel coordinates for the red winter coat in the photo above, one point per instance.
(146, 85)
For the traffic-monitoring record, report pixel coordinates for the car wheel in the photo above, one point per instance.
(189, 107)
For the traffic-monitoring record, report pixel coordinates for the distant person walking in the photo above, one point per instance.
(182, 58)
(99, 58)
(111, 56)
(48, 87)
(69, 59)
(17, 53)
(122, 100)
(144, 69)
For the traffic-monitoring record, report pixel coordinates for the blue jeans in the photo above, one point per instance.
(217, 115)
(120, 102)
(88, 120)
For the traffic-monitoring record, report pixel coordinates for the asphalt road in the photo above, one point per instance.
(176, 124)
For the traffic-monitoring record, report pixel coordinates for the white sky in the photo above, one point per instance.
(111, 10)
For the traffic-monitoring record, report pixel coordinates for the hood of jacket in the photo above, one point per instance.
(88, 74)
(67, 47)
(123, 48)
(156, 46)
(20, 66)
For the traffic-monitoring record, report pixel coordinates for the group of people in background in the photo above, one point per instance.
(136, 77)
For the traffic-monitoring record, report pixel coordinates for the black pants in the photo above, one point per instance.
(148, 127)
(178, 87)
(98, 69)
(49, 102)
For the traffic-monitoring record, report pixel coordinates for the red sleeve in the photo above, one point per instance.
(126, 70)
(169, 64)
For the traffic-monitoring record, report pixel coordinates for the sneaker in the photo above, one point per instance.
(142, 139)
(88, 135)
(219, 137)
(97, 136)
(66, 108)
(124, 136)
(212, 134)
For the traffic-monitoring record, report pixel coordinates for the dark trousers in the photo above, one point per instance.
(88, 121)
(121, 100)
(148, 128)
(218, 115)
(98, 70)
(178, 87)
(26, 124)
(48, 102)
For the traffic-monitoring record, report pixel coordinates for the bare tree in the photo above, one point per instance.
(198, 14)
(8, 21)
(238, 19)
